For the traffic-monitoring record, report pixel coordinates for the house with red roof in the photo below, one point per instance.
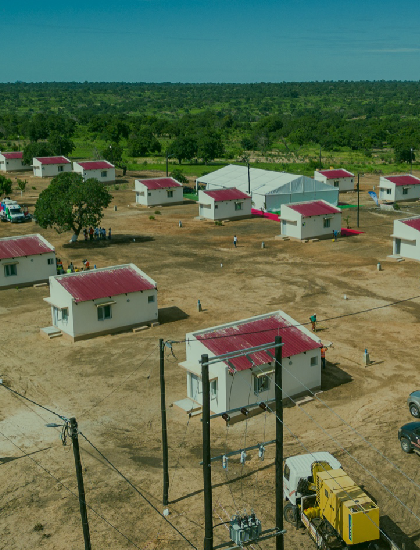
(48, 167)
(102, 170)
(343, 179)
(13, 161)
(309, 220)
(101, 301)
(399, 188)
(158, 192)
(247, 379)
(406, 238)
(26, 260)
(224, 204)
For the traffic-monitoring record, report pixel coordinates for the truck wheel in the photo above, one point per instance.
(290, 513)
(406, 445)
(414, 410)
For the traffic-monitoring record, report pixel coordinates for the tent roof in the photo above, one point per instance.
(263, 182)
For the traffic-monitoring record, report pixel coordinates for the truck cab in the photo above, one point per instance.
(11, 211)
(300, 467)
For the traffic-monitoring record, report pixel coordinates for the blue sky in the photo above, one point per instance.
(218, 41)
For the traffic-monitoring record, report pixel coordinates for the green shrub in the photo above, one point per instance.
(116, 187)
(38, 527)
(158, 212)
(151, 217)
(397, 206)
(218, 222)
(34, 188)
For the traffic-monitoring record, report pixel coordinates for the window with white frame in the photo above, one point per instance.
(104, 174)
(65, 314)
(104, 312)
(405, 191)
(239, 205)
(327, 222)
(314, 361)
(10, 270)
(213, 388)
(151, 299)
(336, 183)
(51, 261)
(388, 191)
(170, 194)
(149, 194)
(261, 384)
(60, 168)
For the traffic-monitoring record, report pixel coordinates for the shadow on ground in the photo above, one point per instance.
(104, 243)
(171, 314)
(333, 377)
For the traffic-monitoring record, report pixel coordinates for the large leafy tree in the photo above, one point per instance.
(5, 185)
(69, 203)
(61, 145)
(184, 147)
(41, 149)
(210, 146)
(113, 153)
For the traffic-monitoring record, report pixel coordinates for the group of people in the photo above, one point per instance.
(97, 233)
(312, 318)
(71, 268)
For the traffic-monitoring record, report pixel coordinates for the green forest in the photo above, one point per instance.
(362, 126)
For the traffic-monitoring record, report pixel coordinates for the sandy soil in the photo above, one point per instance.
(111, 384)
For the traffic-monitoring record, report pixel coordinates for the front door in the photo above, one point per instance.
(55, 316)
(284, 227)
(397, 246)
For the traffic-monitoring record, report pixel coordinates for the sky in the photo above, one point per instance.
(209, 41)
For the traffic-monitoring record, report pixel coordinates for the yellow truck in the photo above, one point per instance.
(337, 513)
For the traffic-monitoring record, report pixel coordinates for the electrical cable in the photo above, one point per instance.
(137, 490)
(70, 491)
(360, 312)
(34, 402)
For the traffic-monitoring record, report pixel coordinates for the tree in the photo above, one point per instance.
(69, 203)
(113, 153)
(178, 175)
(210, 146)
(22, 184)
(403, 153)
(32, 150)
(183, 147)
(61, 145)
(5, 185)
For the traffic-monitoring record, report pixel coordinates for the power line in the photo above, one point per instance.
(70, 491)
(34, 402)
(137, 490)
(203, 339)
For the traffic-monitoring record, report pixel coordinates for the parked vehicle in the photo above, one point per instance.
(10, 211)
(409, 436)
(413, 402)
(337, 513)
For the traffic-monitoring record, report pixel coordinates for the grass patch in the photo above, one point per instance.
(191, 196)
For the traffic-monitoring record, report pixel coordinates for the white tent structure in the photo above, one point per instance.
(270, 189)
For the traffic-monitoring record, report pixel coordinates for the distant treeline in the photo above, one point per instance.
(206, 120)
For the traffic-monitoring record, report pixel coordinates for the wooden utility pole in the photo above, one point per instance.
(358, 197)
(208, 501)
(164, 430)
(249, 179)
(278, 377)
(79, 473)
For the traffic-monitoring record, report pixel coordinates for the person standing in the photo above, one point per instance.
(312, 318)
(235, 240)
(91, 233)
(109, 234)
(323, 350)
(85, 234)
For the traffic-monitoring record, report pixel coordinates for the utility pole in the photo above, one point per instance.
(164, 430)
(208, 504)
(278, 377)
(411, 160)
(358, 197)
(249, 180)
(167, 164)
(320, 159)
(79, 473)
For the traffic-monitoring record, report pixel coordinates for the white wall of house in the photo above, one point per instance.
(388, 191)
(29, 269)
(343, 184)
(154, 197)
(406, 240)
(222, 210)
(49, 170)
(105, 175)
(10, 165)
(229, 392)
(295, 225)
(82, 319)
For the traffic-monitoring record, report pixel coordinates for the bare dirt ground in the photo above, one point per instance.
(111, 384)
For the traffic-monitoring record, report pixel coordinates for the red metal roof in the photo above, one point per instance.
(29, 245)
(53, 160)
(91, 285)
(232, 194)
(96, 165)
(13, 155)
(255, 333)
(334, 174)
(314, 208)
(403, 180)
(414, 223)
(160, 183)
